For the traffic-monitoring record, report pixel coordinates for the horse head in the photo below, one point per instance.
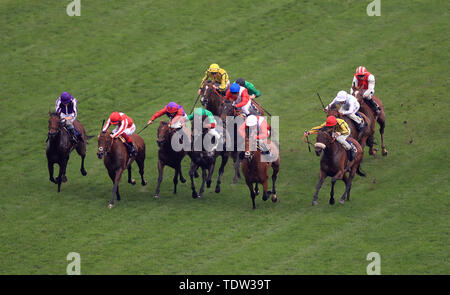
(104, 144)
(323, 140)
(54, 124)
(164, 133)
(333, 110)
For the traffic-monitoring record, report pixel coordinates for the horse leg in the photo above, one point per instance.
(382, 123)
(252, 194)
(211, 171)
(256, 189)
(175, 181)
(62, 172)
(322, 177)
(140, 163)
(50, 171)
(81, 150)
(182, 179)
(345, 180)
(130, 180)
(160, 177)
(192, 172)
(204, 178)
(221, 170)
(237, 165)
(274, 180)
(266, 193)
(117, 176)
(338, 175)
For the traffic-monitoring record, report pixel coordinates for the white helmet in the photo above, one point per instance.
(251, 120)
(341, 96)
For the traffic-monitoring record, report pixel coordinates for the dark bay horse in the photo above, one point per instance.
(167, 156)
(256, 171)
(334, 163)
(380, 118)
(59, 147)
(116, 160)
(204, 159)
(365, 136)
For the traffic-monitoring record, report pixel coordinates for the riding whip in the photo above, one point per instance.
(263, 108)
(195, 104)
(143, 129)
(320, 100)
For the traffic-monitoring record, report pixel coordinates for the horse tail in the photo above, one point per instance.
(360, 172)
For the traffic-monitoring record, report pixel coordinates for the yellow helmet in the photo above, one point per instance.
(214, 68)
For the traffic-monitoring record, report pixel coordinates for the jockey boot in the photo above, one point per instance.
(374, 106)
(350, 155)
(131, 149)
(72, 133)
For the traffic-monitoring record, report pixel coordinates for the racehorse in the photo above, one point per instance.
(204, 159)
(116, 159)
(334, 163)
(255, 171)
(364, 136)
(380, 118)
(59, 147)
(167, 156)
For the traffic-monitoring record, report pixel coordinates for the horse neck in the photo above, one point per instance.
(332, 150)
(114, 155)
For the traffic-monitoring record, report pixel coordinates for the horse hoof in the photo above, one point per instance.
(143, 183)
(156, 196)
(64, 179)
(373, 152)
(217, 189)
(275, 199)
(83, 172)
(208, 184)
(183, 180)
(384, 153)
(52, 180)
(341, 202)
(110, 206)
(332, 202)
(315, 203)
(194, 195)
(133, 181)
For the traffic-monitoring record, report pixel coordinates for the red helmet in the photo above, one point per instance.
(331, 121)
(115, 118)
(361, 71)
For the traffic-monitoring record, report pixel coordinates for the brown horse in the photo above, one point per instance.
(334, 163)
(380, 118)
(59, 147)
(256, 171)
(167, 156)
(211, 99)
(116, 160)
(365, 136)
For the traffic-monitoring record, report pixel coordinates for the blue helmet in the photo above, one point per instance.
(66, 97)
(234, 88)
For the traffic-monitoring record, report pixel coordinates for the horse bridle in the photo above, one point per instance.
(104, 151)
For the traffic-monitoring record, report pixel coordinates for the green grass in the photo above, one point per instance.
(135, 56)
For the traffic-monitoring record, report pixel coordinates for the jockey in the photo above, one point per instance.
(252, 91)
(349, 106)
(262, 129)
(340, 131)
(66, 107)
(210, 126)
(219, 76)
(239, 96)
(125, 128)
(173, 111)
(366, 81)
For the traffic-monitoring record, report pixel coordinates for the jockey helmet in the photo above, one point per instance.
(114, 118)
(331, 121)
(172, 107)
(251, 121)
(241, 82)
(234, 88)
(341, 96)
(66, 97)
(361, 71)
(214, 68)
